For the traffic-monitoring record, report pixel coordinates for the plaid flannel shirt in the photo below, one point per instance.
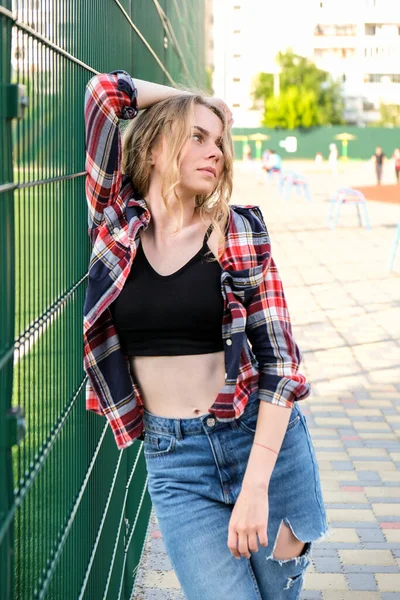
(260, 352)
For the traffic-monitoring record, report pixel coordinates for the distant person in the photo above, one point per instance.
(396, 158)
(247, 152)
(274, 162)
(319, 159)
(333, 158)
(379, 158)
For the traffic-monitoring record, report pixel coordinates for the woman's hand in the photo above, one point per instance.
(249, 520)
(225, 109)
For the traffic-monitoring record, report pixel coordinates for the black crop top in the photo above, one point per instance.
(171, 315)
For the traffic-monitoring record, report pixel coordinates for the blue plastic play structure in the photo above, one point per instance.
(347, 196)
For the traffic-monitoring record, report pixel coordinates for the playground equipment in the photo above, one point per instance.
(347, 196)
(289, 180)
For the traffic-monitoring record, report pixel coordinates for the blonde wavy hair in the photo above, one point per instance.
(173, 117)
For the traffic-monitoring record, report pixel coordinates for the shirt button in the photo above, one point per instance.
(210, 422)
(229, 342)
(116, 230)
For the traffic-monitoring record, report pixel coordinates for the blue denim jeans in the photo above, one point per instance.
(196, 468)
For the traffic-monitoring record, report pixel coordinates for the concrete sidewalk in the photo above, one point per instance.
(345, 312)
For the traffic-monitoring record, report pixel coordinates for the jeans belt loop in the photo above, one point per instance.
(178, 430)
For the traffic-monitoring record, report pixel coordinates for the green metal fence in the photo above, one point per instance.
(73, 509)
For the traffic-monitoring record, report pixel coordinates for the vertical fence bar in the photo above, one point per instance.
(7, 308)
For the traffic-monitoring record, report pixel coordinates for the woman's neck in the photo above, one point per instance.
(165, 220)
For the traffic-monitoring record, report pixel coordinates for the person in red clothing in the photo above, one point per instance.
(396, 159)
(188, 343)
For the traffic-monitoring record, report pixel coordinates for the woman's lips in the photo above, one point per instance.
(209, 170)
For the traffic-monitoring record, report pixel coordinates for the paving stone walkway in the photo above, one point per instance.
(345, 311)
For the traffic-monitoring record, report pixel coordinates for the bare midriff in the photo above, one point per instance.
(179, 387)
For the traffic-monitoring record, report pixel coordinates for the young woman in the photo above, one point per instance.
(396, 160)
(188, 344)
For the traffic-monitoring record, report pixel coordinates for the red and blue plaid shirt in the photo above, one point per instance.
(260, 353)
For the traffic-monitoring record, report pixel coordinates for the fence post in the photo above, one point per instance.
(7, 268)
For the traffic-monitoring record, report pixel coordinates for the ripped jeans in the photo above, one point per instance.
(196, 468)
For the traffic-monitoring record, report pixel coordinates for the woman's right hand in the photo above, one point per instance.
(225, 109)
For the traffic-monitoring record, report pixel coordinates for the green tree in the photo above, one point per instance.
(389, 115)
(292, 108)
(263, 86)
(308, 96)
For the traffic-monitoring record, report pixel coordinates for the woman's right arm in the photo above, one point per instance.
(108, 98)
(150, 93)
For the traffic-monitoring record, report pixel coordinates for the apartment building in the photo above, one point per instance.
(357, 41)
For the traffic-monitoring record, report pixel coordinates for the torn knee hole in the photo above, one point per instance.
(287, 545)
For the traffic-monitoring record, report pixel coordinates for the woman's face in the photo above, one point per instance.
(202, 160)
(202, 157)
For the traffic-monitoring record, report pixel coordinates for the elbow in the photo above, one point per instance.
(283, 390)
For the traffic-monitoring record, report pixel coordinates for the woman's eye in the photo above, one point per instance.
(197, 135)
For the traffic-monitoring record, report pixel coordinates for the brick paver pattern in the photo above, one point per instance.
(344, 305)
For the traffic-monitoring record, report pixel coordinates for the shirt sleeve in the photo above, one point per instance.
(108, 98)
(270, 334)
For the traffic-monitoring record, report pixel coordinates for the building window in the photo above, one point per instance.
(345, 30)
(236, 31)
(237, 56)
(235, 105)
(335, 30)
(368, 106)
(236, 79)
(334, 52)
(381, 78)
(370, 29)
(236, 7)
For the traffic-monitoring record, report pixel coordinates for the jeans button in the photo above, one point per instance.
(229, 342)
(211, 422)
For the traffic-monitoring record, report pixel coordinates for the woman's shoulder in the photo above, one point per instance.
(247, 218)
(247, 244)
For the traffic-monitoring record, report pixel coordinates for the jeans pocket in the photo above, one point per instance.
(158, 444)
